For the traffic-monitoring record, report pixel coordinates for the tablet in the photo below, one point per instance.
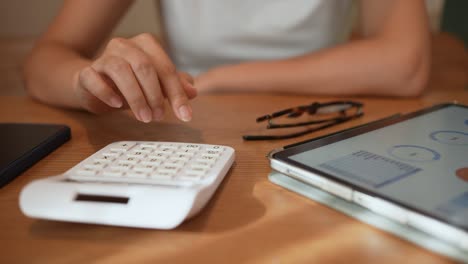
(411, 168)
(25, 144)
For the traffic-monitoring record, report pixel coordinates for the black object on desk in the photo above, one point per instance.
(22, 145)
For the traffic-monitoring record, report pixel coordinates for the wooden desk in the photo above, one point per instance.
(249, 219)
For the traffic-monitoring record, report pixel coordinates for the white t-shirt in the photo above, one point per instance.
(205, 33)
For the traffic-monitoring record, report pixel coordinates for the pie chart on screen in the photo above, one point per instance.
(462, 174)
(413, 153)
(450, 137)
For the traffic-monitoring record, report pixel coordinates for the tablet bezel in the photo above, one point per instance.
(290, 150)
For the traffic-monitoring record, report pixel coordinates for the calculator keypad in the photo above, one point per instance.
(150, 162)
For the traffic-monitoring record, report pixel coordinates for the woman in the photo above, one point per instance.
(243, 45)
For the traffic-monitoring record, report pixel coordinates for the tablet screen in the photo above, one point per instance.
(421, 162)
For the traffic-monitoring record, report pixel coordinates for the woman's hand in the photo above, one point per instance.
(135, 72)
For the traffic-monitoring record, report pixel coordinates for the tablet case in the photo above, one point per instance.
(25, 144)
(360, 213)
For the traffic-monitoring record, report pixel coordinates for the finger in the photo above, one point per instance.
(92, 81)
(146, 75)
(190, 90)
(91, 103)
(121, 73)
(187, 77)
(167, 75)
(175, 93)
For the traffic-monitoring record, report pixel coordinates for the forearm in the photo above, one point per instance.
(50, 74)
(393, 58)
(368, 66)
(76, 33)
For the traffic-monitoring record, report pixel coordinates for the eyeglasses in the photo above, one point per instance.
(321, 115)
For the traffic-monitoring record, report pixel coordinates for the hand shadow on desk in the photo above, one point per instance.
(104, 129)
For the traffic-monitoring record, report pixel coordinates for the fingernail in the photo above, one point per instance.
(158, 114)
(190, 86)
(116, 102)
(145, 115)
(185, 113)
(193, 88)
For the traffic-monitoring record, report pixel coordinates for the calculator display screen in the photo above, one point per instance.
(421, 162)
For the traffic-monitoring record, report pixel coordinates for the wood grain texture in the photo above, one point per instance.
(249, 219)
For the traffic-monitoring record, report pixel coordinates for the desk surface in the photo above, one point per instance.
(249, 219)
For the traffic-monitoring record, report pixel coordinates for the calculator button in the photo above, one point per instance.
(137, 154)
(87, 172)
(161, 175)
(95, 165)
(211, 154)
(190, 177)
(151, 162)
(143, 150)
(215, 148)
(175, 163)
(195, 172)
(124, 167)
(203, 163)
(187, 152)
(164, 150)
(105, 160)
(115, 151)
(168, 146)
(201, 170)
(159, 154)
(122, 146)
(112, 173)
(203, 166)
(128, 160)
(206, 159)
(182, 157)
(147, 168)
(111, 154)
(168, 169)
(190, 147)
(149, 145)
(137, 174)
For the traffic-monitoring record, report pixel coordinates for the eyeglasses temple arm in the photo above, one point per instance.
(276, 114)
(373, 123)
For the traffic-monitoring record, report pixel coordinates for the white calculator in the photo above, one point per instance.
(132, 183)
